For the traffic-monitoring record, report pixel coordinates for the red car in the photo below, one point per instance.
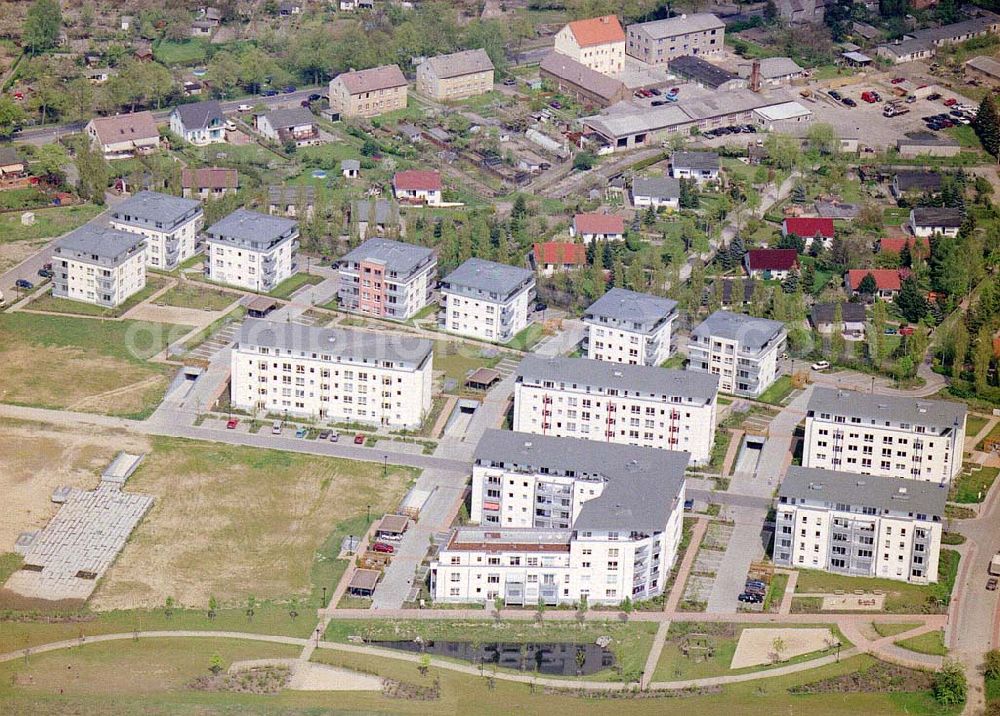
(359, 439)
(906, 330)
(897, 80)
(950, 102)
(233, 422)
(383, 547)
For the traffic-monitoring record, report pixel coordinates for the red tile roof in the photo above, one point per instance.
(772, 259)
(599, 224)
(209, 178)
(560, 252)
(597, 31)
(885, 279)
(894, 244)
(417, 180)
(809, 227)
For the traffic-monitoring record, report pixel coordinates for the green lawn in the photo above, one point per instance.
(184, 52)
(895, 215)
(778, 391)
(972, 486)
(775, 592)
(10, 562)
(930, 643)
(196, 295)
(293, 283)
(48, 302)
(901, 597)
(527, 338)
(457, 359)
(21, 199)
(965, 135)
(974, 423)
(884, 629)
(49, 223)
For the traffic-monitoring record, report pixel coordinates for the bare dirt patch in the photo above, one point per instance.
(13, 253)
(766, 646)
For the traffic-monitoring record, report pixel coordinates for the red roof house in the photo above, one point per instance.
(597, 31)
(208, 182)
(887, 281)
(417, 186)
(775, 262)
(552, 256)
(809, 228)
(895, 244)
(598, 226)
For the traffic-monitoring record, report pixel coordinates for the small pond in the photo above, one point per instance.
(561, 659)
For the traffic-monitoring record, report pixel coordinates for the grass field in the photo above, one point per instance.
(76, 363)
(974, 423)
(49, 223)
(194, 295)
(232, 522)
(184, 52)
(901, 597)
(884, 629)
(778, 391)
(293, 283)
(47, 302)
(457, 359)
(930, 643)
(972, 486)
(527, 338)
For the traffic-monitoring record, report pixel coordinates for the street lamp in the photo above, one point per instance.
(324, 598)
(385, 466)
(873, 385)
(368, 516)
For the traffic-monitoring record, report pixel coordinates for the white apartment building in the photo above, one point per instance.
(562, 520)
(98, 265)
(892, 436)
(660, 41)
(636, 405)
(742, 350)
(629, 327)
(597, 43)
(169, 223)
(332, 375)
(862, 527)
(388, 279)
(252, 250)
(487, 300)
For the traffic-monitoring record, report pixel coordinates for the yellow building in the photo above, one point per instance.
(451, 77)
(597, 43)
(368, 93)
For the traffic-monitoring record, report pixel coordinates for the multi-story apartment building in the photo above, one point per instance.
(487, 300)
(368, 93)
(597, 43)
(562, 520)
(859, 526)
(447, 78)
(628, 327)
(252, 250)
(332, 375)
(892, 436)
(98, 265)
(388, 279)
(660, 41)
(169, 223)
(615, 403)
(742, 350)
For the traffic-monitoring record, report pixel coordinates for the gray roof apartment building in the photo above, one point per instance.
(660, 41)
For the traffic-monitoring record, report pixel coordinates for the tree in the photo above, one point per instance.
(809, 276)
(822, 138)
(960, 349)
(778, 647)
(987, 125)
(791, 282)
(213, 606)
(868, 286)
(584, 161)
(41, 26)
(251, 606)
(991, 669)
(911, 301)
(982, 356)
(11, 116)
(215, 664)
(94, 173)
(50, 160)
(168, 607)
(770, 12)
(950, 686)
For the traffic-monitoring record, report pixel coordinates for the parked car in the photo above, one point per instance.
(688, 505)
(289, 89)
(821, 365)
(232, 423)
(950, 102)
(659, 102)
(934, 97)
(991, 584)
(509, 82)
(315, 97)
(906, 330)
(541, 306)
(324, 434)
(45, 273)
(897, 80)
(359, 439)
(890, 331)
(305, 103)
(555, 104)
(849, 102)
(869, 97)
(655, 92)
(335, 437)
(301, 432)
(383, 547)
(270, 93)
(276, 427)
(24, 283)
(244, 108)
(748, 598)
(835, 94)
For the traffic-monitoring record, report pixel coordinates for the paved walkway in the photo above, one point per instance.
(786, 599)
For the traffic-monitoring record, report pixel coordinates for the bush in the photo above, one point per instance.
(950, 685)
(584, 161)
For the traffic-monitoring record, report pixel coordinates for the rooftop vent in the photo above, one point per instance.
(860, 483)
(527, 443)
(901, 491)
(815, 485)
(617, 374)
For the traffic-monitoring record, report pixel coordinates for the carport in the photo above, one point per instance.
(482, 379)
(363, 582)
(392, 526)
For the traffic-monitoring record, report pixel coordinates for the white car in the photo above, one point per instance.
(821, 365)
(244, 108)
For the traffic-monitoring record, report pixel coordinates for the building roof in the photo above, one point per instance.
(905, 48)
(641, 309)
(680, 25)
(252, 227)
(954, 30)
(337, 342)
(376, 78)
(100, 241)
(361, 208)
(938, 216)
(487, 276)
(753, 333)
(290, 117)
(835, 209)
(885, 279)
(986, 65)
(364, 580)
(350, 165)
(895, 244)
(398, 257)
(700, 161)
(575, 73)
(155, 207)
(918, 181)
(662, 187)
(125, 128)
(887, 408)
(457, 64)
(8, 157)
(209, 178)
(630, 378)
(785, 110)
(859, 57)
(642, 485)
(509, 539)
(927, 141)
(199, 115)
(775, 67)
(560, 252)
(597, 31)
(882, 493)
(393, 524)
(599, 224)
(823, 313)
(291, 194)
(417, 180)
(809, 226)
(701, 71)
(772, 259)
